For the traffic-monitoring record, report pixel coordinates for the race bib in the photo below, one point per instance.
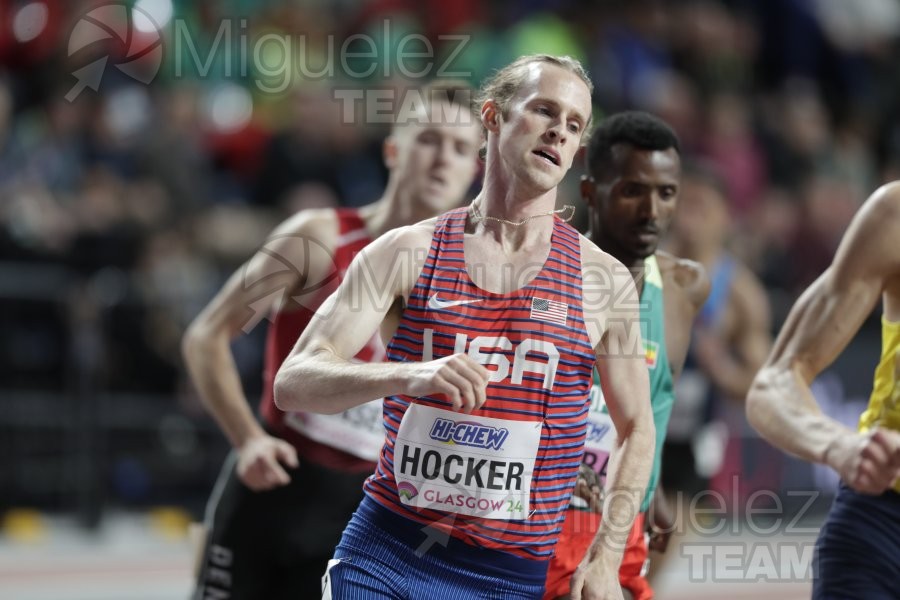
(358, 431)
(601, 435)
(453, 462)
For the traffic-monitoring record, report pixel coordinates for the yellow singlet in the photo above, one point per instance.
(884, 404)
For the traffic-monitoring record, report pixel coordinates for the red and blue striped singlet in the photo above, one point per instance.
(534, 343)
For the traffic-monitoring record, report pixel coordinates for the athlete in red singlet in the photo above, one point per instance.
(291, 485)
(497, 314)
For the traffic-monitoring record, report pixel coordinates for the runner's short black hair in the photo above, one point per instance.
(638, 129)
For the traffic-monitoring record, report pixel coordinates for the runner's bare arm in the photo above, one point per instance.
(249, 295)
(614, 327)
(750, 337)
(753, 339)
(820, 325)
(319, 376)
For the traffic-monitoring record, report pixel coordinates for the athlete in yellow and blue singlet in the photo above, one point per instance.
(858, 550)
(884, 403)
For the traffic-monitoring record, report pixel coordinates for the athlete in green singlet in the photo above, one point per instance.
(632, 190)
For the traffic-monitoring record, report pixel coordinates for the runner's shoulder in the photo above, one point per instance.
(321, 222)
(688, 275)
(593, 257)
(415, 237)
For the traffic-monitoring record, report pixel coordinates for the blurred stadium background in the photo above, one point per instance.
(147, 147)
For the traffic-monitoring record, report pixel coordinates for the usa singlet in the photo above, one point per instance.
(350, 441)
(499, 478)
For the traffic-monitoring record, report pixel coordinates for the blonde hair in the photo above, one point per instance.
(503, 85)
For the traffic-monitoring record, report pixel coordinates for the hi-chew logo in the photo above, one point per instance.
(129, 36)
(597, 431)
(468, 433)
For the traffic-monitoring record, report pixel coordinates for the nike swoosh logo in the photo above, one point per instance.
(435, 303)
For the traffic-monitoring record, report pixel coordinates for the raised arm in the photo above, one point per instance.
(820, 325)
(621, 364)
(267, 280)
(319, 376)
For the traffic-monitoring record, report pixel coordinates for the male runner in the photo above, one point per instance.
(499, 313)
(858, 550)
(631, 190)
(275, 524)
(708, 436)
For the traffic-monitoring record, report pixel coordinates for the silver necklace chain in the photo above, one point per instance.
(477, 216)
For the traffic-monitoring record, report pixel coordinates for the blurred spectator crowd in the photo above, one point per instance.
(123, 209)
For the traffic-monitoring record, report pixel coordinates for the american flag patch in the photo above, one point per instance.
(549, 310)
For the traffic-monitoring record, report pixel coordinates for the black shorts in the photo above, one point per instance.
(275, 544)
(679, 473)
(858, 550)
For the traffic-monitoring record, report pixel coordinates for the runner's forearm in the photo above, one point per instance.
(321, 382)
(781, 407)
(213, 371)
(629, 471)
